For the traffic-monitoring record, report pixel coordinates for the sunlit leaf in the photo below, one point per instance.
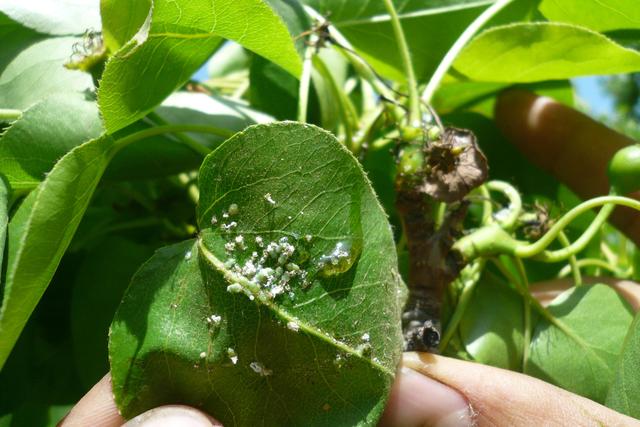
(41, 230)
(59, 17)
(595, 14)
(579, 351)
(43, 134)
(543, 51)
(174, 41)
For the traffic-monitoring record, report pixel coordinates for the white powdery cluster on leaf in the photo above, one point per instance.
(270, 273)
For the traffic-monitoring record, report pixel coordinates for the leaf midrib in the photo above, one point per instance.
(374, 19)
(278, 311)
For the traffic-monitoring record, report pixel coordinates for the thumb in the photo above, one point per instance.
(417, 400)
(501, 397)
(173, 416)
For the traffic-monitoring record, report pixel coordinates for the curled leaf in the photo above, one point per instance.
(456, 166)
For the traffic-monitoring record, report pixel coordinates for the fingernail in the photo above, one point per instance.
(417, 400)
(172, 416)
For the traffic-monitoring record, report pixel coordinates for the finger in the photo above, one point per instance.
(173, 416)
(503, 398)
(417, 400)
(566, 143)
(97, 408)
(546, 291)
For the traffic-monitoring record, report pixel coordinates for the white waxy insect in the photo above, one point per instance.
(203, 355)
(228, 227)
(260, 369)
(234, 288)
(231, 353)
(214, 319)
(293, 326)
(269, 199)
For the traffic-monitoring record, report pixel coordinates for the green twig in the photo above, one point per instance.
(346, 109)
(592, 262)
(537, 249)
(160, 130)
(470, 276)
(573, 263)
(526, 333)
(493, 240)
(440, 213)
(515, 202)
(305, 81)
(185, 139)
(8, 114)
(487, 206)
(362, 68)
(405, 55)
(457, 47)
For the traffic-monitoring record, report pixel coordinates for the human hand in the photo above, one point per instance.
(440, 391)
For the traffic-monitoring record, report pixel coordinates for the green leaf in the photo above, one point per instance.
(294, 17)
(321, 352)
(480, 97)
(543, 51)
(455, 94)
(172, 44)
(60, 17)
(41, 230)
(493, 325)
(595, 14)
(580, 350)
(29, 58)
(121, 20)
(5, 193)
(43, 134)
(624, 392)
